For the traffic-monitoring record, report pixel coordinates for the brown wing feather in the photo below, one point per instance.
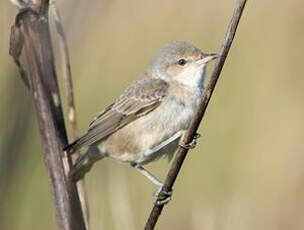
(138, 100)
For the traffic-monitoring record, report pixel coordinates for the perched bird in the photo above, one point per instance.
(148, 120)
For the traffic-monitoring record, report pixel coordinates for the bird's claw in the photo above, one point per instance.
(163, 197)
(164, 201)
(192, 144)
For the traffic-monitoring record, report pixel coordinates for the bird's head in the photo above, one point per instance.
(181, 62)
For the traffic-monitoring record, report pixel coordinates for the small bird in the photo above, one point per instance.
(148, 120)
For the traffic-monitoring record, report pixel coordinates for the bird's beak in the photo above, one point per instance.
(207, 58)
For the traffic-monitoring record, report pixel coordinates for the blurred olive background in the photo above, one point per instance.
(247, 171)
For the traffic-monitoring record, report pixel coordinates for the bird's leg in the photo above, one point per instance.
(192, 144)
(147, 174)
(164, 143)
(165, 196)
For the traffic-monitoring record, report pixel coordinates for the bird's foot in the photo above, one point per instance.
(163, 197)
(192, 144)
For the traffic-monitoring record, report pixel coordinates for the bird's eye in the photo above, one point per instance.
(182, 61)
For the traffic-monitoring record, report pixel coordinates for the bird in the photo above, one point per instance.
(149, 119)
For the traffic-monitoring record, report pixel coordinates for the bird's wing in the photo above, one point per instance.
(138, 100)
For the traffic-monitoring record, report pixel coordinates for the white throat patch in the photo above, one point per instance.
(193, 78)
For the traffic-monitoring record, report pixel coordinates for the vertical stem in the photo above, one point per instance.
(72, 124)
(33, 23)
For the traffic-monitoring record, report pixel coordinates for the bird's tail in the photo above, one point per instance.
(84, 163)
(73, 147)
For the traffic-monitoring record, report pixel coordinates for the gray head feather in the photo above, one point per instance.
(170, 53)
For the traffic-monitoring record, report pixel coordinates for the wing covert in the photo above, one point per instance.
(142, 97)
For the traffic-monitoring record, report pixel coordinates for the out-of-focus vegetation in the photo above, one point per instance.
(248, 169)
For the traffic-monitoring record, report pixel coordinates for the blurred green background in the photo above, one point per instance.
(247, 171)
